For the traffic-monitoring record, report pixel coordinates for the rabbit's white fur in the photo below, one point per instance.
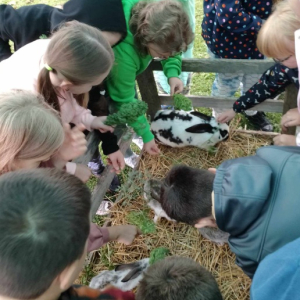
(177, 128)
(151, 193)
(125, 277)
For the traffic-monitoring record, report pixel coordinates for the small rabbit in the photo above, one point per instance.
(125, 277)
(215, 235)
(177, 128)
(152, 195)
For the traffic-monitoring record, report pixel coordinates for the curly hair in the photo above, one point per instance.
(164, 23)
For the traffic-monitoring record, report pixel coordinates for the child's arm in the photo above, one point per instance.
(271, 83)
(121, 88)
(101, 235)
(172, 70)
(5, 51)
(232, 16)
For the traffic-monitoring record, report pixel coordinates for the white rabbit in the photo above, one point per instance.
(177, 128)
(152, 194)
(125, 277)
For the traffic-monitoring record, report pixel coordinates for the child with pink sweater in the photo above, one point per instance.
(76, 58)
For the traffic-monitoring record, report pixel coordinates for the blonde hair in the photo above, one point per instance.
(278, 30)
(164, 23)
(80, 53)
(29, 128)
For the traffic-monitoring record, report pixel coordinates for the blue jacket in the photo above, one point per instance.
(257, 203)
(230, 27)
(278, 275)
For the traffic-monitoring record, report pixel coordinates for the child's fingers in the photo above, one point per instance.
(106, 128)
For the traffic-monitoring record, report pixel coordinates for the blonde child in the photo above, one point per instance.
(276, 39)
(32, 136)
(76, 58)
(154, 30)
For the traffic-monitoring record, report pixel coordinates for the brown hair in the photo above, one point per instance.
(177, 278)
(29, 128)
(77, 51)
(164, 23)
(278, 30)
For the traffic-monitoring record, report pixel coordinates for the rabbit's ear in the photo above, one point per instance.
(201, 116)
(125, 267)
(132, 274)
(201, 128)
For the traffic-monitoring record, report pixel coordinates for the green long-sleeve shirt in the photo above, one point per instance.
(128, 64)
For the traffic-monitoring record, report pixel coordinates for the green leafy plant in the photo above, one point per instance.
(142, 221)
(182, 102)
(158, 254)
(127, 114)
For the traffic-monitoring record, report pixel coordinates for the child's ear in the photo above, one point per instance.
(206, 222)
(65, 278)
(212, 170)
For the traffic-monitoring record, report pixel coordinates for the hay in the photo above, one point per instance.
(180, 239)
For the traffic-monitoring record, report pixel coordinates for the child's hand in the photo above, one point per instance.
(74, 144)
(151, 148)
(285, 140)
(123, 233)
(98, 123)
(116, 160)
(176, 85)
(291, 118)
(226, 116)
(82, 172)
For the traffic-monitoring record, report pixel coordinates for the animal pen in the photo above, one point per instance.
(181, 239)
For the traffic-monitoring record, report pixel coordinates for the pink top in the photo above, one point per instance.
(21, 71)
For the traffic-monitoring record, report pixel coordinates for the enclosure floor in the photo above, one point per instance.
(180, 239)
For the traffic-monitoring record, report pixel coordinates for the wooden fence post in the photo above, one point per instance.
(148, 91)
(290, 101)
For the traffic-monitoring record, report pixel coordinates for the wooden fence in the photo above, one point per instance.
(150, 95)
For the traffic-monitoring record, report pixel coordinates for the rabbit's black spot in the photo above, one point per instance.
(167, 134)
(189, 140)
(171, 116)
(201, 116)
(201, 128)
(224, 134)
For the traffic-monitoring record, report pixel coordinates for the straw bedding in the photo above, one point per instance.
(180, 239)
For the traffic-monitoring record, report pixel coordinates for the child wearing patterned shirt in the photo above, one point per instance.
(229, 29)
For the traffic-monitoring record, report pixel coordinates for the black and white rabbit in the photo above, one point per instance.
(177, 128)
(152, 195)
(125, 277)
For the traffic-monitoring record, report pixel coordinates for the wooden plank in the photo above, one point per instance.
(255, 132)
(93, 141)
(148, 91)
(107, 176)
(208, 65)
(290, 101)
(225, 103)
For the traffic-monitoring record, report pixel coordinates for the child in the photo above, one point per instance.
(160, 78)
(177, 278)
(155, 29)
(76, 58)
(277, 276)
(229, 29)
(254, 199)
(45, 223)
(32, 137)
(28, 23)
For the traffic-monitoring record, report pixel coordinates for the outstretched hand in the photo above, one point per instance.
(176, 85)
(116, 160)
(98, 123)
(226, 116)
(151, 148)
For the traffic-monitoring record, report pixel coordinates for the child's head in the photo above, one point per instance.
(177, 278)
(186, 194)
(276, 37)
(44, 225)
(160, 28)
(79, 57)
(30, 131)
